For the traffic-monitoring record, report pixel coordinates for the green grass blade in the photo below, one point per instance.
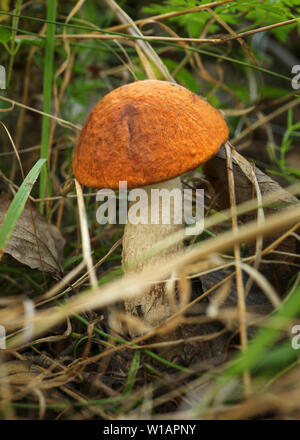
(15, 23)
(47, 92)
(133, 370)
(17, 205)
(267, 336)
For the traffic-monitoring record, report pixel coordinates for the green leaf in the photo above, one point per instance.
(184, 77)
(4, 35)
(17, 205)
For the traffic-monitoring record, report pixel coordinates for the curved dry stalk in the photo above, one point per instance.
(238, 270)
(86, 244)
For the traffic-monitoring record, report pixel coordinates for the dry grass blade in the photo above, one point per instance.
(247, 169)
(135, 284)
(86, 244)
(225, 39)
(264, 284)
(237, 260)
(144, 45)
(62, 122)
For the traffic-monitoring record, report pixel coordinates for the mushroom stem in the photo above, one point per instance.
(153, 305)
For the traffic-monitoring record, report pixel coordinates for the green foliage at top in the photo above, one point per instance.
(279, 154)
(242, 13)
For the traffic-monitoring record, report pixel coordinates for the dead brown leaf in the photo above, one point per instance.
(286, 251)
(22, 244)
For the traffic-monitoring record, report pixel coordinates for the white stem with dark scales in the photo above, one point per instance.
(153, 305)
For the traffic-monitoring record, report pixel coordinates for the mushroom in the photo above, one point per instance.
(147, 133)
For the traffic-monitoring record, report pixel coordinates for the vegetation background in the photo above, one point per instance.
(235, 358)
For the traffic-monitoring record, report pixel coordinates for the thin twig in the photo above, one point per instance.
(169, 15)
(63, 122)
(225, 39)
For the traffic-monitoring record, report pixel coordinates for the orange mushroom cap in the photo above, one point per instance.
(146, 132)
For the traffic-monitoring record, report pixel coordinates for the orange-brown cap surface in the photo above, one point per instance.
(146, 132)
